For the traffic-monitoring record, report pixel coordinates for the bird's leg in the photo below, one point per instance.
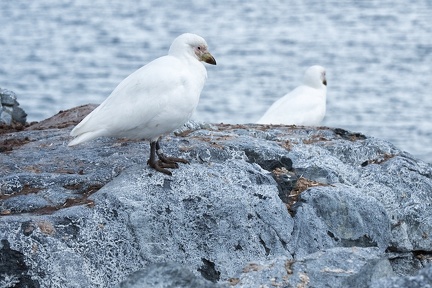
(166, 159)
(158, 165)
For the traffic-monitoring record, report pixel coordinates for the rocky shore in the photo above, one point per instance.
(277, 206)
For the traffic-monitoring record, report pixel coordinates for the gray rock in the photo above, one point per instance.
(403, 185)
(338, 216)
(166, 275)
(408, 263)
(202, 212)
(10, 111)
(18, 114)
(361, 266)
(324, 268)
(5, 116)
(8, 98)
(423, 279)
(91, 215)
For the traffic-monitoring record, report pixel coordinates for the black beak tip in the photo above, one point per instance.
(211, 61)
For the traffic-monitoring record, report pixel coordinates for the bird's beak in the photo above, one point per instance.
(325, 82)
(208, 58)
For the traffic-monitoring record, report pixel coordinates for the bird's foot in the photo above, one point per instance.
(160, 166)
(166, 162)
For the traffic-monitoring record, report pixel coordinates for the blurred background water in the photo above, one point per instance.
(378, 54)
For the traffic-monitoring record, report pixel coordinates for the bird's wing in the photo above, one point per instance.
(294, 108)
(141, 94)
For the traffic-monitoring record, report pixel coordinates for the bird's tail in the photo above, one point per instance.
(86, 137)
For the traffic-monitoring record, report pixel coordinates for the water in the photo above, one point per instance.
(59, 54)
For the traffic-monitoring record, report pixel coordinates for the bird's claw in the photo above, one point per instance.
(166, 162)
(160, 166)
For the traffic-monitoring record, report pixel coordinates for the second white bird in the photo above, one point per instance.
(305, 105)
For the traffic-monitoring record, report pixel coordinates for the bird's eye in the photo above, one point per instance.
(199, 48)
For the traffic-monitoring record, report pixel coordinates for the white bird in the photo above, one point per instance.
(305, 105)
(153, 101)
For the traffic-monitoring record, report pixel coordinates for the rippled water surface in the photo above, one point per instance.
(378, 54)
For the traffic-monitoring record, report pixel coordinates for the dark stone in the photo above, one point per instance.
(13, 269)
(18, 115)
(208, 271)
(349, 135)
(268, 164)
(286, 183)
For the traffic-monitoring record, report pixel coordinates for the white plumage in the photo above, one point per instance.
(154, 100)
(305, 105)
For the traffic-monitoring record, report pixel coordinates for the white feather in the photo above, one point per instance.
(305, 105)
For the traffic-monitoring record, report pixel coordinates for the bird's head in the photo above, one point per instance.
(315, 76)
(194, 45)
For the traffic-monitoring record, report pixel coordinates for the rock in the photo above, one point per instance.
(8, 98)
(18, 114)
(10, 111)
(16, 271)
(322, 214)
(258, 205)
(362, 267)
(166, 275)
(6, 115)
(64, 119)
(203, 212)
(422, 279)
